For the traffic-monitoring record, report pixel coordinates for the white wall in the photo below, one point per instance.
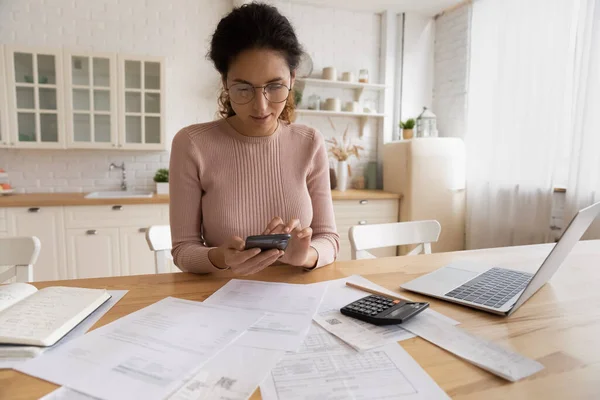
(348, 41)
(452, 31)
(179, 30)
(418, 65)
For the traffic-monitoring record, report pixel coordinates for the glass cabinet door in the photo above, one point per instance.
(37, 98)
(142, 121)
(91, 97)
(4, 137)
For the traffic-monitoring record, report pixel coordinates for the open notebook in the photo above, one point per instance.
(29, 316)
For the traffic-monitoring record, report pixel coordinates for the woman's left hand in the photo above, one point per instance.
(298, 251)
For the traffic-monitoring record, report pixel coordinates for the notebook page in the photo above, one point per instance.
(36, 317)
(12, 293)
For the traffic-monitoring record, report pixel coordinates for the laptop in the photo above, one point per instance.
(499, 290)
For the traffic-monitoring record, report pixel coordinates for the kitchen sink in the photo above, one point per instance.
(120, 194)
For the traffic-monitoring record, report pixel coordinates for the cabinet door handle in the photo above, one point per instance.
(364, 202)
(91, 232)
(142, 230)
(117, 208)
(34, 210)
(362, 222)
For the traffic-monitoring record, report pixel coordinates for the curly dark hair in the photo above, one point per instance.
(253, 26)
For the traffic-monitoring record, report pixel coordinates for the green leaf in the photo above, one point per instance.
(162, 175)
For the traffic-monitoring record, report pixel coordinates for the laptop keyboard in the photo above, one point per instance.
(493, 288)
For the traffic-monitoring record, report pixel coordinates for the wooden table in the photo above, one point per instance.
(559, 326)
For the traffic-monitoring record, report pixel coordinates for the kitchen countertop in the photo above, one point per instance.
(78, 199)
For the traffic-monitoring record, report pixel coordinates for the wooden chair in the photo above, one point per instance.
(159, 240)
(367, 237)
(19, 254)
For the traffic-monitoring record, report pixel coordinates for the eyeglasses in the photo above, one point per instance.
(243, 93)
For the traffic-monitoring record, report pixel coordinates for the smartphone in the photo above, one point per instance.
(267, 242)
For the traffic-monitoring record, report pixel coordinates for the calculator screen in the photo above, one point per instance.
(396, 312)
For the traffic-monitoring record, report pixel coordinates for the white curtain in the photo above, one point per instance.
(518, 112)
(583, 185)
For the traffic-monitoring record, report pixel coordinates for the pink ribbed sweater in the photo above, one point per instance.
(225, 184)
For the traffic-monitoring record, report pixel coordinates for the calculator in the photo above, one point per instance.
(379, 310)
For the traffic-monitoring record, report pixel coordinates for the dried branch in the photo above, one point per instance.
(343, 149)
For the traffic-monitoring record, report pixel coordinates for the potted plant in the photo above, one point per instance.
(162, 181)
(407, 128)
(342, 150)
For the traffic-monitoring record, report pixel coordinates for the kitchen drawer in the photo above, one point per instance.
(140, 215)
(366, 208)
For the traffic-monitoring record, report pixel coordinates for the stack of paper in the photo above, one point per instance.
(246, 333)
(430, 325)
(147, 354)
(358, 334)
(325, 367)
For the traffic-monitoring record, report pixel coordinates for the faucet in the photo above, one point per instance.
(123, 173)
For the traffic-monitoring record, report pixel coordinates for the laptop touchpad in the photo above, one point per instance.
(441, 281)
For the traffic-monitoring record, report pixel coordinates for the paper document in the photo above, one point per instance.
(11, 355)
(234, 374)
(485, 354)
(327, 368)
(289, 310)
(146, 354)
(64, 393)
(360, 335)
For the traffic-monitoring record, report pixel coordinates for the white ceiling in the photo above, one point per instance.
(425, 7)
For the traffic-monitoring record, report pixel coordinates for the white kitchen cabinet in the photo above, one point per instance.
(4, 137)
(93, 253)
(122, 227)
(136, 257)
(91, 100)
(34, 80)
(47, 223)
(361, 212)
(67, 99)
(3, 225)
(141, 103)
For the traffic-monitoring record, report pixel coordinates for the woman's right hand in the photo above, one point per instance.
(242, 262)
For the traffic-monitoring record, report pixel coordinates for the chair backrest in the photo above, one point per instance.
(159, 240)
(19, 254)
(367, 237)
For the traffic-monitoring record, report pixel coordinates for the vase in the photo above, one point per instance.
(342, 176)
(407, 134)
(162, 187)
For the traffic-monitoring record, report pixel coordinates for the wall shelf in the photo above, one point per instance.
(358, 87)
(342, 84)
(323, 113)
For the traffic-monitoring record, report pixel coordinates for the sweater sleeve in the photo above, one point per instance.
(185, 207)
(325, 239)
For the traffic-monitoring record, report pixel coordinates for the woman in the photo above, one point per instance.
(253, 171)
